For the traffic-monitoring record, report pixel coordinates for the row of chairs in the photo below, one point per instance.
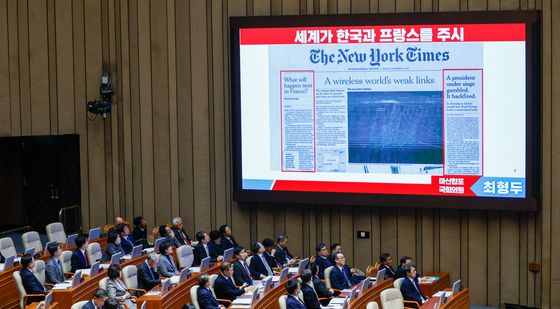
(55, 232)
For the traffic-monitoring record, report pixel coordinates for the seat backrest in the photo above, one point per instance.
(392, 299)
(66, 258)
(130, 277)
(7, 247)
(93, 253)
(211, 279)
(372, 305)
(371, 271)
(282, 301)
(103, 283)
(107, 227)
(32, 240)
(55, 232)
(248, 260)
(328, 271)
(397, 283)
(155, 234)
(194, 296)
(20, 288)
(185, 256)
(39, 270)
(79, 304)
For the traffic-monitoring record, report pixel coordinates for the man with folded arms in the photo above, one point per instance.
(223, 285)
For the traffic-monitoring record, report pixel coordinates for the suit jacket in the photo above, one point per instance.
(240, 276)
(389, 271)
(179, 236)
(147, 277)
(140, 237)
(411, 290)
(31, 284)
(127, 244)
(53, 272)
(294, 303)
(321, 288)
(272, 262)
(167, 268)
(110, 250)
(206, 299)
(225, 289)
(78, 261)
(217, 248)
(89, 305)
(323, 263)
(310, 299)
(174, 241)
(338, 281)
(400, 273)
(200, 253)
(116, 290)
(257, 266)
(282, 255)
(228, 243)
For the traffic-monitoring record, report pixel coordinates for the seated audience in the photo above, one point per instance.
(293, 301)
(140, 232)
(410, 288)
(79, 258)
(31, 284)
(227, 241)
(202, 249)
(116, 289)
(400, 273)
(322, 259)
(259, 265)
(241, 272)
(180, 233)
(99, 298)
(166, 265)
(320, 287)
(119, 220)
(166, 232)
(310, 296)
(113, 246)
(224, 286)
(335, 248)
(127, 242)
(53, 269)
(282, 255)
(269, 252)
(148, 276)
(341, 278)
(385, 262)
(215, 239)
(206, 299)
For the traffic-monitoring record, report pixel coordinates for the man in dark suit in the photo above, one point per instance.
(148, 277)
(53, 269)
(203, 250)
(320, 287)
(227, 241)
(310, 297)
(322, 259)
(98, 300)
(384, 262)
(79, 259)
(206, 299)
(269, 251)
(127, 243)
(180, 233)
(223, 285)
(259, 264)
(341, 278)
(241, 272)
(31, 284)
(292, 301)
(140, 232)
(410, 288)
(400, 273)
(335, 248)
(215, 238)
(282, 255)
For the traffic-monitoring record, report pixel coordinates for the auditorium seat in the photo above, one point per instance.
(185, 256)
(21, 290)
(393, 299)
(130, 279)
(65, 259)
(282, 301)
(79, 304)
(55, 232)
(397, 283)
(328, 271)
(32, 240)
(194, 296)
(94, 253)
(372, 305)
(7, 247)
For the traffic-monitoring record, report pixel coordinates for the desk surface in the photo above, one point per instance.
(35, 304)
(441, 284)
(459, 301)
(372, 294)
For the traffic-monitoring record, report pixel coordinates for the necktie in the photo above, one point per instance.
(61, 273)
(206, 249)
(346, 277)
(246, 270)
(184, 237)
(268, 270)
(416, 287)
(85, 259)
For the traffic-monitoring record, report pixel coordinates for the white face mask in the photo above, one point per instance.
(118, 241)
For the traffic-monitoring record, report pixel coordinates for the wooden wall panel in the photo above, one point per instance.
(166, 151)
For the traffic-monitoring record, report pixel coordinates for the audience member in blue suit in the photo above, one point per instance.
(31, 284)
(292, 301)
(203, 249)
(127, 242)
(223, 285)
(322, 259)
(341, 278)
(241, 272)
(205, 297)
(99, 298)
(79, 259)
(410, 288)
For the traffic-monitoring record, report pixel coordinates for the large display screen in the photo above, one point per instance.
(389, 109)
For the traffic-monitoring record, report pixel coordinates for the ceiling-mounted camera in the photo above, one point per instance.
(102, 107)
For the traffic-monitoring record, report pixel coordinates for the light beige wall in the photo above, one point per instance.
(165, 150)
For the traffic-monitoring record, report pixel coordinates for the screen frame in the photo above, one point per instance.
(533, 128)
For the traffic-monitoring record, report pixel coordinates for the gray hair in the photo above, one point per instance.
(152, 256)
(176, 220)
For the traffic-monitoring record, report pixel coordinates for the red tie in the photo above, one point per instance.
(246, 270)
(85, 259)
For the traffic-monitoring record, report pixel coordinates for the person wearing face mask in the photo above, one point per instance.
(113, 246)
(53, 269)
